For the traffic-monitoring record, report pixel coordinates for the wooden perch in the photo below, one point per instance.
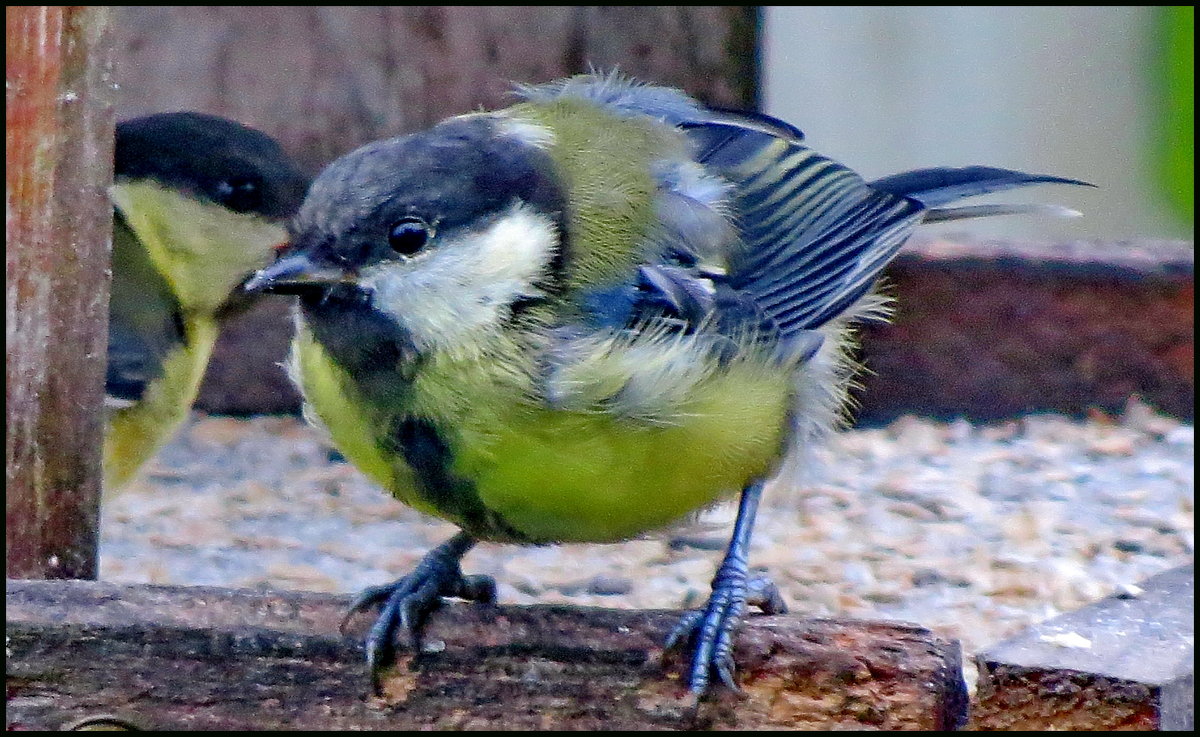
(1125, 662)
(217, 659)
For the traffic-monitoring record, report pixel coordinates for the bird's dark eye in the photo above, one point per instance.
(408, 236)
(240, 193)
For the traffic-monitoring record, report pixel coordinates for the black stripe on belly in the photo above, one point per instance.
(379, 355)
(368, 345)
(430, 457)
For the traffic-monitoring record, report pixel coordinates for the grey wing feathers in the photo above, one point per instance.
(939, 185)
(134, 360)
(144, 319)
(816, 235)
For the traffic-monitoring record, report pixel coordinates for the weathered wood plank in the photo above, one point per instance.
(990, 330)
(1125, 662)
(58, 224)
(205, 658)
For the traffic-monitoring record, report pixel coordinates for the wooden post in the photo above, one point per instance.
(325, 79)
(993, 329)
(58, 150)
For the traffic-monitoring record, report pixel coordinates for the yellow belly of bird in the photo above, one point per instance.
(135, 433)
(570, 476)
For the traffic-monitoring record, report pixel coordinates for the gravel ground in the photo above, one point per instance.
(974, 531)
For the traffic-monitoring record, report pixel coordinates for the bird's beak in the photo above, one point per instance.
(294, 274)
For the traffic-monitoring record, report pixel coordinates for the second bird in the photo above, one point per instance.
(587, 316)
(199, 203)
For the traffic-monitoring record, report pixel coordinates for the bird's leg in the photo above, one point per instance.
(710, 630)
(409, 600)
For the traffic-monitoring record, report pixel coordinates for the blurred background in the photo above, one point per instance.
(1103, 94)
(1099, 93)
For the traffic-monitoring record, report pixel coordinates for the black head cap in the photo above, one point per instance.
(213, 158)
(454, 176)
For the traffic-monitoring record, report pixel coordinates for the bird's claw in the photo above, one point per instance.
(407, 602)
(710, 630)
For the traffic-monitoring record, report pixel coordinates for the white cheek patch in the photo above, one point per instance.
(516, 249)
(447, 297)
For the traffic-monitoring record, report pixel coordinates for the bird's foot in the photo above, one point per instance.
(710, 630)
(407, 602)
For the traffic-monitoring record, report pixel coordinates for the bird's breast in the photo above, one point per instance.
(568, 475)
(134, 433)
(468, 440)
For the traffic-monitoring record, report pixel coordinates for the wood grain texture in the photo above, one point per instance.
(206, 658)
(58, 149)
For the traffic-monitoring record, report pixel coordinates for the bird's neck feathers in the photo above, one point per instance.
(605, 161)
(202, 249)
(460, 296)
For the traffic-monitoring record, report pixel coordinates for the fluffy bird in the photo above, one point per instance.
(199, 204)
(587, 316)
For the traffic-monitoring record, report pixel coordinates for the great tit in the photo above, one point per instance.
(199, 203)
(587, 316)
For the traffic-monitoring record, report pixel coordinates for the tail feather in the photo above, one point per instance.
(940, 185)
(944, 214)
